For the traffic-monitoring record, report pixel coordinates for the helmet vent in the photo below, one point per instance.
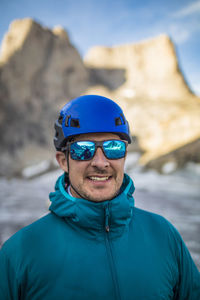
(60, 119)
(123, 118)
(74, 123)
(118, 121)
(67, 121)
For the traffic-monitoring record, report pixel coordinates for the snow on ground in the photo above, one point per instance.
(175, 196)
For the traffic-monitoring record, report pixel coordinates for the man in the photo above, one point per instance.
(95, 244)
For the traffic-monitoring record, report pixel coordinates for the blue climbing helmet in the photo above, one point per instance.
(90, 114)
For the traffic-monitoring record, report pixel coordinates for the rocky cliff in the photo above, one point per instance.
(151, 68)
(161, 109)
(39, 71)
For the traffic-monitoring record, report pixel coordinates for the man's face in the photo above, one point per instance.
(98, 179)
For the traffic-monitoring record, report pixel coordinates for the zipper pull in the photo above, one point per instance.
(107, 227)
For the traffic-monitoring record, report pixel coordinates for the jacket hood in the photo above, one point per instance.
(94, 217)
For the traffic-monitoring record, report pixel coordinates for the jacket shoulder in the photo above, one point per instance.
(29, 233)
(156, 225)
(150, 216)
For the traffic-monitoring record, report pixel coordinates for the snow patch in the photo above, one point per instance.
(37, 169)
(169, 167)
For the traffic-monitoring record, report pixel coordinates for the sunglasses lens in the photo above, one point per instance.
(82, 150)
(114, 149)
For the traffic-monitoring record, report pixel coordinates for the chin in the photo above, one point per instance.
(99, 197)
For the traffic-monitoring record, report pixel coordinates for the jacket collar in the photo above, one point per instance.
(94, 217)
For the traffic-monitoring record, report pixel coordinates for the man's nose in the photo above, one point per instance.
(99, 160)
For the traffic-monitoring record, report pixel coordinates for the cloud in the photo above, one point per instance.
(179, 34)
(184, 23)
(191, 9)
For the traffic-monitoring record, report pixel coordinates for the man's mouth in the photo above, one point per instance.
(98, 178)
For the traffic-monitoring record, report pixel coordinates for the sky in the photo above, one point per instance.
(114, 22)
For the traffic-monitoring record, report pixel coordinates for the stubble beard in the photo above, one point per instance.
(80, 192)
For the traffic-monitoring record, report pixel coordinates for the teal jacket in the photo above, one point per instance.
(108, 250)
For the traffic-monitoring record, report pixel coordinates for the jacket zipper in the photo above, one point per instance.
(110, 254)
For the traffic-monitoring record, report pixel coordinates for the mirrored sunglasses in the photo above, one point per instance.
(85, 150)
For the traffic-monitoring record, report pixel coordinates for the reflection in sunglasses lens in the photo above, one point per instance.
(85, 150)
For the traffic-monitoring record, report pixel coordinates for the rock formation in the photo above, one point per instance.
(39, 71)
(151, 68)
(162, 110)
(177, 158)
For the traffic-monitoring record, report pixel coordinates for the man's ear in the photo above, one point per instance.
(62, 160)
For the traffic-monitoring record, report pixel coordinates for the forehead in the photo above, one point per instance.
(97, 136)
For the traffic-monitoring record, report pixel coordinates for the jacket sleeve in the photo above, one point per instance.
(188, 287)
(9, 288)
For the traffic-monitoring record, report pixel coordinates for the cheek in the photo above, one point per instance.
(119, 168)
(120, 165)
(77, 169)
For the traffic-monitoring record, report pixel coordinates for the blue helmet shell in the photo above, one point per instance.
(90, 114)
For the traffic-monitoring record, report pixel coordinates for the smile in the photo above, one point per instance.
(95, 178)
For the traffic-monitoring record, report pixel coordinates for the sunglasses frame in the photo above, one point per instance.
(98, 144)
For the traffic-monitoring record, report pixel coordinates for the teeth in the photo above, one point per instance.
(99, 178)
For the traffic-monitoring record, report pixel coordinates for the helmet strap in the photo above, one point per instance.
(67, 178)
